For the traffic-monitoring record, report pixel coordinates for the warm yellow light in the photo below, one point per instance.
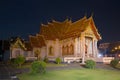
(119, 47)
(112, 50)
(115, 48)
(119, 55)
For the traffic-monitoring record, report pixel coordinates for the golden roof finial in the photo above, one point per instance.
(53, 20)
(92, 14)
(70, 19)
(85, 15)
(67, 18)
(41, 24)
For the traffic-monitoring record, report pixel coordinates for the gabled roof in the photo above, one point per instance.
(18, 43)
(28, 46)
(95, 30)
(66, 29)
(41, 40)
(37, 41)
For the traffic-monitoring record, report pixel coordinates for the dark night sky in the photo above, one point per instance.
(23, 17)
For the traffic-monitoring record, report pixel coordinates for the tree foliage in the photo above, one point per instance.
(38, 67)
(90, 64)
(19, 60)
(58, 60)
(114, 62)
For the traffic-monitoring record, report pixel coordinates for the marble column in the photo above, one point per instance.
(60, 50)
(78, 53)
(47, 51)
(93, 47)
(75, 47)
(96, 50)
(83, 49)
(57, 48)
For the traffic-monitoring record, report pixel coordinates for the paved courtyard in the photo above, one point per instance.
(80, 66)
(9, 73)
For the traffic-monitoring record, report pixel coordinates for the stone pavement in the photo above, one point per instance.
(105, 66)
(67, 66)
(80, 66)
(7, 72)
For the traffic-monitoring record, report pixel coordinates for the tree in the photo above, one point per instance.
(20, 60)
(38, 67)
(58, 60)
(90, 64)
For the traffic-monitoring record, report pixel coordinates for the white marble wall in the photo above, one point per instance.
(79, 46)
(13, 52)
(43, 52)
(56, 48)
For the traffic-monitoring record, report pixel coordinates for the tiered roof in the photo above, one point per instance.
(37, 41)
(67, 28)
(62, 30)
(28, 46)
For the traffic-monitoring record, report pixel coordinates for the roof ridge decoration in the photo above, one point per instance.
(18, 42)
(67, 28)
(95, 28)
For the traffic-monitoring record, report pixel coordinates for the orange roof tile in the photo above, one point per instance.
(67, 29)
(28, 46)
(37, 41)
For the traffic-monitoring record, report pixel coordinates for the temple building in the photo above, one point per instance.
(71, 41)
(21, 47)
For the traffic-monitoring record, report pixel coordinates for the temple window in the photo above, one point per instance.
(67, 50)
(17, 53)
(63, 50)
(51, 51)
(71, 49)
(86, 50)
(26, 54)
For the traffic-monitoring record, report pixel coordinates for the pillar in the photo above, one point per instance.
(75, 47)
(83, 48)
(47, 50)
(57, 48)
(93, 47)
(78, 54)
(96, 49)
(60, 50)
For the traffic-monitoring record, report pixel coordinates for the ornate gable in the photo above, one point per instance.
(94, 28)
(18, 44)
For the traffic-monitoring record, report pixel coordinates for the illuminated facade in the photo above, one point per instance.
(71, 41)
(20, 47)
(110, 49)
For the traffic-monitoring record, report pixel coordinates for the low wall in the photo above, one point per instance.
(71, 59)
(31, 58)
(107, 60)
